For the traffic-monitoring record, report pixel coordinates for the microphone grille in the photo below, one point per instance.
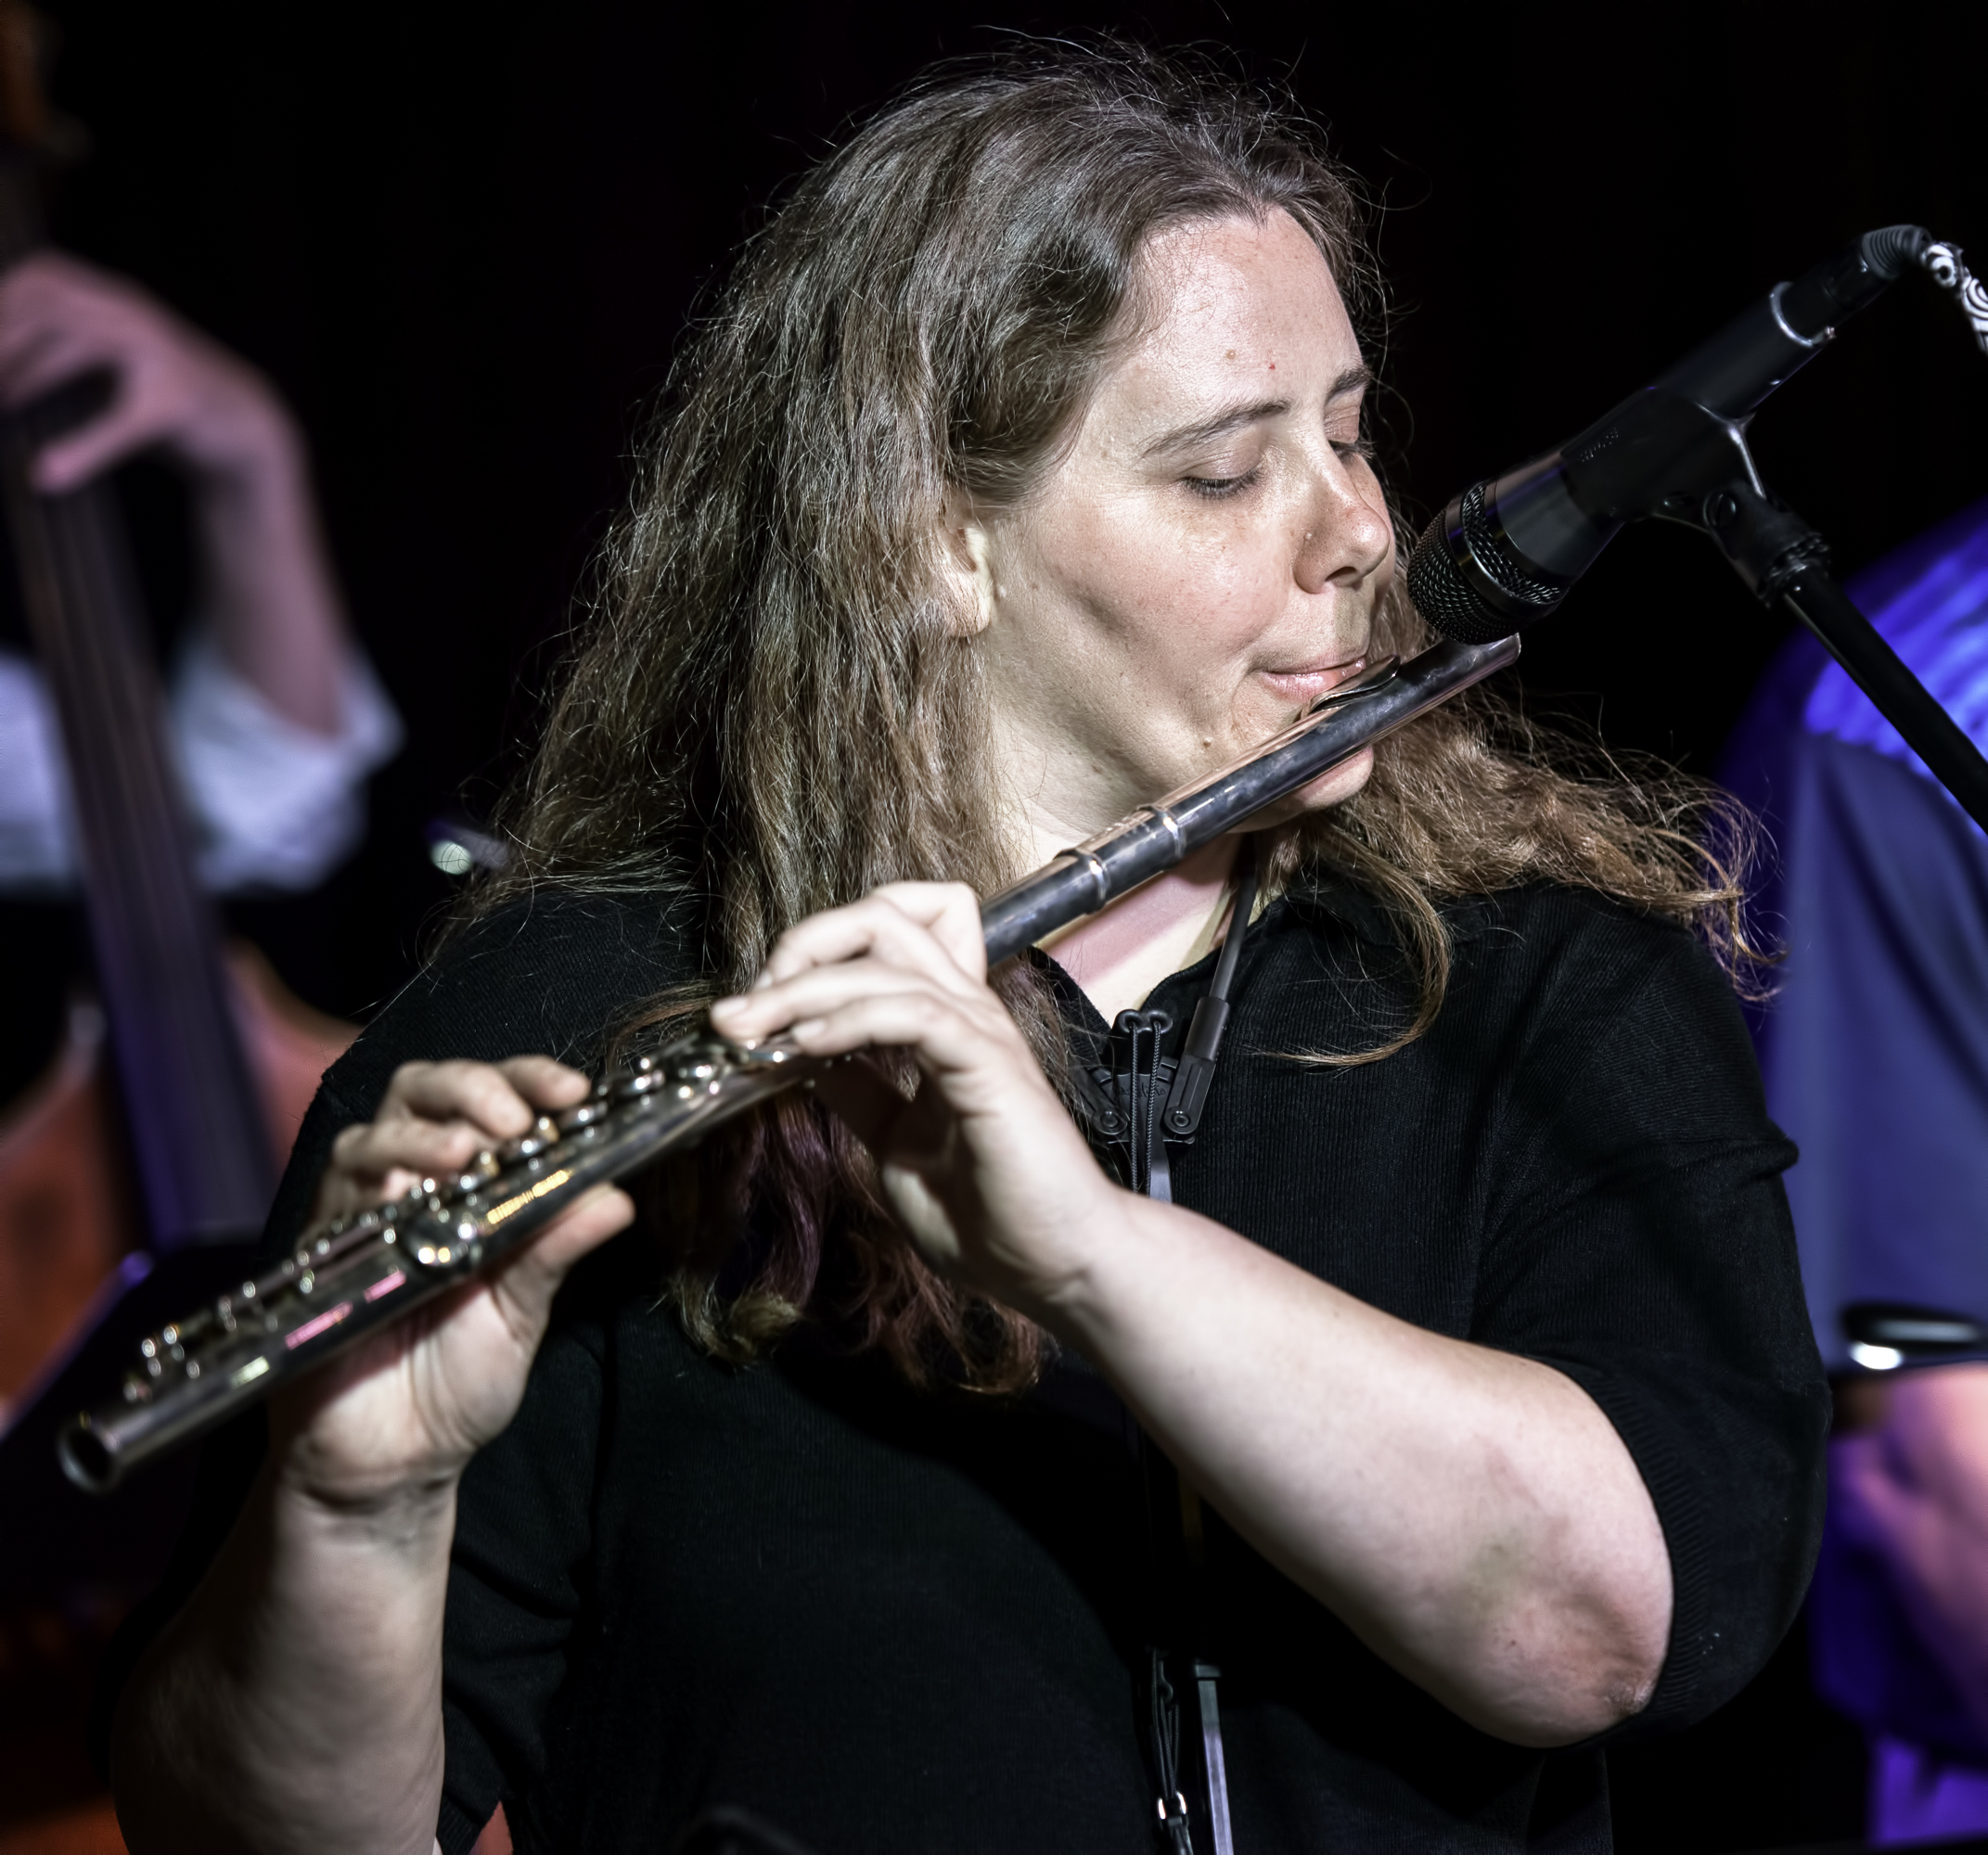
(1448, 601)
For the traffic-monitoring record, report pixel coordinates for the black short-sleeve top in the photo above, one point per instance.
(892, 1620)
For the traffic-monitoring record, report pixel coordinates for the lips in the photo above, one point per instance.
(1301, 687)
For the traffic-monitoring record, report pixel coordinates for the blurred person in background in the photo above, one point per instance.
(1875, 1054)
(275, 717)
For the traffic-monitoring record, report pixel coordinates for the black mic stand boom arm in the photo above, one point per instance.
(1505, 553)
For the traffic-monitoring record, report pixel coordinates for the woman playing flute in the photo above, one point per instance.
(970, 1453)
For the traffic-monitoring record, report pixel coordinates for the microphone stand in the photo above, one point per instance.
(1505, 553)
(1816, 598)
(1666, 457)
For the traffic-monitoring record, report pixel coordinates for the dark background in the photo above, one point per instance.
(465, 242)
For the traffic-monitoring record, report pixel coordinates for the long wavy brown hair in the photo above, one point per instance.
(770, 712)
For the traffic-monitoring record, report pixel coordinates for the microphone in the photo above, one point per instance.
(1505, 553)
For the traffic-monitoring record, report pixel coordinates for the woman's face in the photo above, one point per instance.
(1204, 559)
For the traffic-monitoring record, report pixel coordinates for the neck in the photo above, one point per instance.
(1119, 955)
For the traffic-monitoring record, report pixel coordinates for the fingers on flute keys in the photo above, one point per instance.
(435, 1118)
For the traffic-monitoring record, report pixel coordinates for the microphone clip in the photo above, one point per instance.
(1668, 458)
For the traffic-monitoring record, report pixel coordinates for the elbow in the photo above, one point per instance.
(1586, 1636)
(1548, 1711)
(1551, 1660)
(1583, 1670)
(1609, 1695)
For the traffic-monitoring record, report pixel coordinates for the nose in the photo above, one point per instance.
(1345, 534)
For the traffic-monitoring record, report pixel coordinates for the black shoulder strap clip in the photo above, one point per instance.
(1197, 1072)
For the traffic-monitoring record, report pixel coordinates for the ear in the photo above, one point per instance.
(965, 556)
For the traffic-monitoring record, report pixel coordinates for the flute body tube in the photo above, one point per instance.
(360, 1274)
(1340, 723)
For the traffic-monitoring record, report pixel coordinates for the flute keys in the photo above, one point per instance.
(460, 1250)
(772, 1055)
(544, 1132)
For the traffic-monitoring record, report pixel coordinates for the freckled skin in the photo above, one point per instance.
(1154, 613)
(1156, 609)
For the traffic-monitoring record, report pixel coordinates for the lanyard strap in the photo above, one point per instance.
(1164, 1727)
(1197, 1070)
(1154, 1112)
(1154, 1099)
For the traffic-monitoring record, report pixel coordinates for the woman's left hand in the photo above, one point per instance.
(983, 1165)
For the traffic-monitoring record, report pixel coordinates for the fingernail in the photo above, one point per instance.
(764, 980)
(806, 1027)
(727, 1005)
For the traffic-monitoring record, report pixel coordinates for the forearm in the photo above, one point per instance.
(272, 596)
(1470, 1514)
(295, 1702)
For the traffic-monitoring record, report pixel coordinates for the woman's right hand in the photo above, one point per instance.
(295, 1701)
(403, 1412)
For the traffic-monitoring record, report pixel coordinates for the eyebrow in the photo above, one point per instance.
(1204, 430)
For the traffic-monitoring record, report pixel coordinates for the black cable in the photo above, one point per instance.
(1197, 1059)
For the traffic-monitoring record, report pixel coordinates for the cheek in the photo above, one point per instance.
(1231, 572)
(1177, 589)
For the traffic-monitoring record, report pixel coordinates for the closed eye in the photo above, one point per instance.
(1214, 489)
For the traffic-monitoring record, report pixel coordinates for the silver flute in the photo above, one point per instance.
(350, 1278)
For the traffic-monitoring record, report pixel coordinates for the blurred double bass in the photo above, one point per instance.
(143, 1163)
